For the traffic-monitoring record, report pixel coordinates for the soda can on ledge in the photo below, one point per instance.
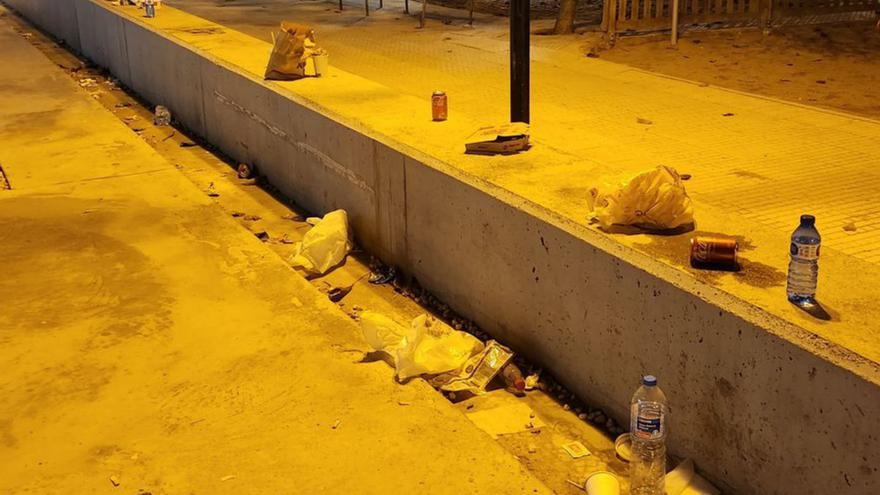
(439, 106)
(714, 252)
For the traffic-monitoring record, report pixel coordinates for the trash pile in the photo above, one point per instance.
(656, 200)
(427, 347)
(295, 54)
(462, 364)
(451, 360)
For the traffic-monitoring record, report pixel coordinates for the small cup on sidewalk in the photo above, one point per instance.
(322, 63)
(602, 483)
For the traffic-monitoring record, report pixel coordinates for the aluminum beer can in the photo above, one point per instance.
(439, 106)
(714, 252)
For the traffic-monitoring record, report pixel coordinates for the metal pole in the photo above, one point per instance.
(519, 61)
(674, 39)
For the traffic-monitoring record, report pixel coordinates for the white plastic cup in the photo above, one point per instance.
(322, 62)
(602, 483)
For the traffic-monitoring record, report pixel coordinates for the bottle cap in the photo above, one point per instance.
(808, 220)
(649, 381)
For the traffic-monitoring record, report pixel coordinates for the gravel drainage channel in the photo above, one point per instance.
(533, 428)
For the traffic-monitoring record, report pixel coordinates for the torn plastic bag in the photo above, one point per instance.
(290, 52)
(381, 332)
(653, 200)
(325, 245)
(427, 347)
(432, 347)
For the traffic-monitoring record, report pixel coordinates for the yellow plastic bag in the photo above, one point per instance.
(655, 200)
(325, 245)
(381, 332)
(432, 347)
(427, 347)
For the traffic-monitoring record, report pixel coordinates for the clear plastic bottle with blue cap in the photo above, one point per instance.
(649, 427)
(803, 269)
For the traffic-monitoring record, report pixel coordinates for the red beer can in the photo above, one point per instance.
(714, 252)
(439, 106)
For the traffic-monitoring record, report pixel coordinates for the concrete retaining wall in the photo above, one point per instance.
(758, 413)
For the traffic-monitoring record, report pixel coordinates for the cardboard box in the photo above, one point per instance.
(499, 139)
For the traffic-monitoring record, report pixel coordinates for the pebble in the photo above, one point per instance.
(532, 448)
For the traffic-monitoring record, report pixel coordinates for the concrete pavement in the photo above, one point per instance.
(503, 241)
(151, 344)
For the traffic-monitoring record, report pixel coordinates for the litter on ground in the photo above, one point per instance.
(325, 245)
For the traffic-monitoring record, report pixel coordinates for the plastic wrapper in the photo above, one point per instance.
(479, 370)
(655, 200)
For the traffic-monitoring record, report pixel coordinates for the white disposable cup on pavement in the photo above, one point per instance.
(602, 483)
(322, 63)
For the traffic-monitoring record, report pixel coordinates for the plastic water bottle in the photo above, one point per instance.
(649, 415)
(803, 269)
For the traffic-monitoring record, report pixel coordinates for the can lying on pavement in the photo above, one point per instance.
(714, 252)
(439, 106)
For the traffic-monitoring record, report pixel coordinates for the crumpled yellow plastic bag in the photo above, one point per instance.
(381, 332)
(655, 200)
(427, 347)
(325, 245)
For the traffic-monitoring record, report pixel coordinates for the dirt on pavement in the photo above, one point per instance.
(835, 66)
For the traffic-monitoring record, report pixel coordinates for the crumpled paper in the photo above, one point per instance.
(654, 199)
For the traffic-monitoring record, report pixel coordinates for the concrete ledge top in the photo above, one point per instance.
(551, 181)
